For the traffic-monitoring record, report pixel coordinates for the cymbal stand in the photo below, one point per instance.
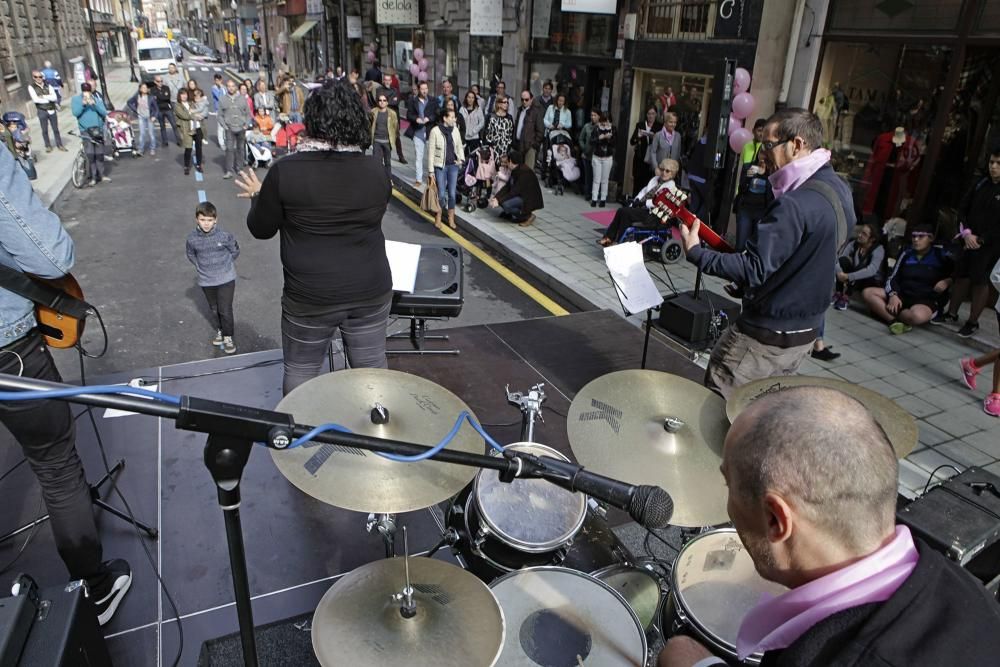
(386, 526)
(531, 408)
(408, 608)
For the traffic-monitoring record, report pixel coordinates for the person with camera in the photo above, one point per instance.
(90, 113)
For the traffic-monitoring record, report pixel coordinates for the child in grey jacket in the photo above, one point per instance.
(213, 251)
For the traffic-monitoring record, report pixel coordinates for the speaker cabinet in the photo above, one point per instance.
(438, 290)
(691, 319)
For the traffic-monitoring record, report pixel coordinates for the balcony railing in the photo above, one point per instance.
(677, 19)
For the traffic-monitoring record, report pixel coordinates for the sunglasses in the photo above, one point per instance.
(36, 76)
(525, 99)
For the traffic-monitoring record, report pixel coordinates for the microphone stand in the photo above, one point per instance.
(233, 430)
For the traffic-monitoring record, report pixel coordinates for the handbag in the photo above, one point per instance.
(470, 175)
(429, 201)
(96, 133)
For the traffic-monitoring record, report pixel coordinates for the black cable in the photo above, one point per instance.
(104, 332)
(31, 533)
(934, 472)
(13, 468)
(173, 378)
(485, 425)
(131, 516)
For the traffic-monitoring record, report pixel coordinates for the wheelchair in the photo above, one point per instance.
(661, 241)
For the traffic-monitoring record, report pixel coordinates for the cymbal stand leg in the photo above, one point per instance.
(531, 409)
(225, 458)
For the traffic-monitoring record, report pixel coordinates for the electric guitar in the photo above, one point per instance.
(667, 204)
(59, 305)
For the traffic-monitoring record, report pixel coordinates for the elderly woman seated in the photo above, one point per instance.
(639, 214)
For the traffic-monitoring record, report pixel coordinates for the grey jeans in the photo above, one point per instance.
(305, 340)
(236, 143)
(738, 359)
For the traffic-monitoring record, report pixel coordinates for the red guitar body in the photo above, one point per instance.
(667, 204)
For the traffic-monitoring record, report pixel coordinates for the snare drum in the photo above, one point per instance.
(557, 616)
(712, 587)
(643, 585)
(528, 522)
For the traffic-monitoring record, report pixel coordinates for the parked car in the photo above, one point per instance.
(154, 56)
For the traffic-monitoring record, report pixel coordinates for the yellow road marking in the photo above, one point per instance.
(511, 277)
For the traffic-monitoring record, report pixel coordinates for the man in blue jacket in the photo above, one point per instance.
(32, 240)
(786, 272)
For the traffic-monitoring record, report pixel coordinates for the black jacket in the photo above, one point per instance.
(162, 95)
(913, 277)
(412, 109)
(787, 269)
(980, 211)
(534, 127)
(524, 184)
(940, 616)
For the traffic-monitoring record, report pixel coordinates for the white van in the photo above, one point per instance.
(155, 54)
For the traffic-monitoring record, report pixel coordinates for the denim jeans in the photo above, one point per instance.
(420, 146)
(220, 301)
(514, 207)
(305, 340)
(47, 119)
(146, 135)
(165, 118)
(95, 159)
(447, 182)
(47, 435)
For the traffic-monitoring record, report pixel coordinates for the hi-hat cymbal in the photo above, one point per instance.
(899, 425)
(419, 411)
(648, 427)
(458, 621)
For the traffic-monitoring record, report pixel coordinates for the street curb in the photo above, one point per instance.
(64, 178)
(535, 266)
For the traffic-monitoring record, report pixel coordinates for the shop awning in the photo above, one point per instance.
(301, 31)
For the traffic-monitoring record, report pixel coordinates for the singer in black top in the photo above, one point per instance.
(326, 202)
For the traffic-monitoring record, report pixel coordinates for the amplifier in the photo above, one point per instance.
(64, 633)
(961, 519)
(691, 319)
(438, 290)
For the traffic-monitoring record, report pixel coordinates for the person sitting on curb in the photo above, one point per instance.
(859, 264)
(971, 367)
(522, 195)
(918, 286)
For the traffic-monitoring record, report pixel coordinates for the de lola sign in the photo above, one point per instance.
(397, 12)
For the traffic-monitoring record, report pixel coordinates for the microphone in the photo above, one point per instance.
(648, 505)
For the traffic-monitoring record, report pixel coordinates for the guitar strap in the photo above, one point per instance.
(45, 295)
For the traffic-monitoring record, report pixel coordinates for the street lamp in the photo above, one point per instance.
(128, 43)
(267, 47)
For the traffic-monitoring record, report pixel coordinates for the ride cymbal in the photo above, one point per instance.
(899, 425)
(418, 411)
(648, 427)
(458, 621)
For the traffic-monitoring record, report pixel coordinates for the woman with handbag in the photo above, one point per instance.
(445, 157)
(90, 112)
(189, 127)
(144, 107)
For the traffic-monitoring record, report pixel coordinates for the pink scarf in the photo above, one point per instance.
(668, 136)
(794, 174)
(776, 622)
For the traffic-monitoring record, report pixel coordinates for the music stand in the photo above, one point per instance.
(626, 260)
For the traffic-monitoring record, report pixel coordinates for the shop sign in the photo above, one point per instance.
(591, 6)
(486, 18)
(353, 27)
(540, 19)
(397, 12)
(729, 23)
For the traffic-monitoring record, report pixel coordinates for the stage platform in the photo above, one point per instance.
(296, 546)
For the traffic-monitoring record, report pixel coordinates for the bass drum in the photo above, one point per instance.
(712, 587)
(556, 616)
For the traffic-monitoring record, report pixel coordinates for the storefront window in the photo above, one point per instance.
(892, 15)
(403, 41)
(484, 61)
(445, 62)
(877, 103)
(989, 18)
(578, 34)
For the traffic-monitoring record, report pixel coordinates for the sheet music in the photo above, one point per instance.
(403, 261)
(632, 281)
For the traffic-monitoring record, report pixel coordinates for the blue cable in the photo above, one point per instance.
(462, 417)
(96, 389)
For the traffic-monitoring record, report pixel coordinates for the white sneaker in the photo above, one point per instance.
(217, 341)
(228, 346)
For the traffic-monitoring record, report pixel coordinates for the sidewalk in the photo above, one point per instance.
(55, 168)
(919, 370)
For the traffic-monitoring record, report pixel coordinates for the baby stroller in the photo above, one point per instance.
(118, 133)
(562, 167)
(17, 125)
(286, 135)
(258, 153)
(468, 185)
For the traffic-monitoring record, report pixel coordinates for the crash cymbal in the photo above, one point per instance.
(458, 621)
(899, 425)
(419, 411)
(647, 427)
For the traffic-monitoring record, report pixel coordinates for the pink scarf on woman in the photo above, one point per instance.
(776, 622)
(795, 173)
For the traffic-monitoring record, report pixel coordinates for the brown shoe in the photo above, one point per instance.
(527, 223)
(62, 148)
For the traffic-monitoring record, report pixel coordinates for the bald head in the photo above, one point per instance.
(825, 453)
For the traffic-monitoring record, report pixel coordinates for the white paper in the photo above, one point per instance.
(631, 279)
(115, 412)
(403, 261)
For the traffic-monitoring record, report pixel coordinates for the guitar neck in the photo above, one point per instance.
(705, 233)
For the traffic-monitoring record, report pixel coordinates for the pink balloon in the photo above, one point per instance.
(739, 139)
(414, 70)
(743, 105)
(734, 124)
(741, 81)
(422, 76)
(422, 63)
(418, 54)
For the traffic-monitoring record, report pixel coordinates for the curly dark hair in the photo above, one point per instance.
(333, 113)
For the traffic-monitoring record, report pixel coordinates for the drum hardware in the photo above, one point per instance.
(449, 538)
(530, 405)
(386, 526)
(408, 608)
(672, 424)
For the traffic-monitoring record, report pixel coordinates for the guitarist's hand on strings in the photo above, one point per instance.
(689, 235)
(247, 181)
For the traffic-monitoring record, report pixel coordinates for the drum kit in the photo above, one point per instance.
(541, 578)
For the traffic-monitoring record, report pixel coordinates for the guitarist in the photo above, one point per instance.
(786, 272)
(33, 240)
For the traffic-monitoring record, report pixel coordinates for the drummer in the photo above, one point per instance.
(812, 494)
